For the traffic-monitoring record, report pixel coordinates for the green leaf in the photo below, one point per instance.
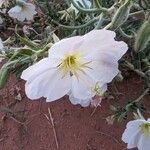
(28, 42)
(143, 37)
(4, 74)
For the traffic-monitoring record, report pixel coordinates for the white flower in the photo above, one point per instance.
(79, 66)
(137, 134)
(87, 2)
(22, 11)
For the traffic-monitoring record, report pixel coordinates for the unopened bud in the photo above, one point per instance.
(4, 73)
(121, 15)
(143, 37)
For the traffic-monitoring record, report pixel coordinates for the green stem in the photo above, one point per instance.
(108, 26)
(124, 34)
(131, 67)
(100, 22)
(97, 3)
(75, 27)
(142, 95)
(136, 13)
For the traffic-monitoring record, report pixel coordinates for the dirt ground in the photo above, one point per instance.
(76, 129)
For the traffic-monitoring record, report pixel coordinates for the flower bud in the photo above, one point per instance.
(143, 37)
(121, 15)
(4, 73)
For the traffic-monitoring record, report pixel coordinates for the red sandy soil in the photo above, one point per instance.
(76, 128)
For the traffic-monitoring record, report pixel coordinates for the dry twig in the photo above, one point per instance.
(51, 122)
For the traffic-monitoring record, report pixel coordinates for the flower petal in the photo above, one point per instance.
(15, 10)
(103, 70)
(20, 16)
(82, 102)
(103, 88)
(131, 127)
(94, 39)
(64, 46)
(82, 86)
(102, 41)
(43, 65)
(144, 142)
(148, 120)
(31, 7)
(48, 84)
(134, 139)
(85, 102)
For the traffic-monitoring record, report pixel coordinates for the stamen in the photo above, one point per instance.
(72, 65)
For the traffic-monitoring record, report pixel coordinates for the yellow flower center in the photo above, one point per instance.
(24, 8)
(145, 128)
(72, 64)
(22, 5)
